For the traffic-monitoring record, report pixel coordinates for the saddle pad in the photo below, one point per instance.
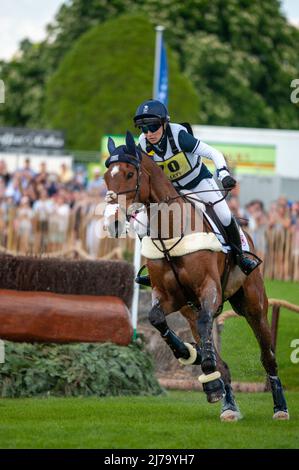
(188, 244)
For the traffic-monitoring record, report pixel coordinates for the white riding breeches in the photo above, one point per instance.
(209, 184)
(212, 195)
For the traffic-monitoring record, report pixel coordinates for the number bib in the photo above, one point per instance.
(176, 166)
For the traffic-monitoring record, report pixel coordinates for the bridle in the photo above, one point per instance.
(112, 195)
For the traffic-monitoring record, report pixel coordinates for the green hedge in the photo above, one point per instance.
(76, 370)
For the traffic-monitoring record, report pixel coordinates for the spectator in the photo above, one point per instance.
(258, 226)
(279, 216)
(23, 225)
(42, 208)
(295, 228)
(58, 223)
(42, 176)
(79, 182)
(14, 189)
(4, 175)
(65, 175)
(97, 182)
(27, 168)
(52, 184)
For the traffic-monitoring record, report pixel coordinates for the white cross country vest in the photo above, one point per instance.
(181, 168)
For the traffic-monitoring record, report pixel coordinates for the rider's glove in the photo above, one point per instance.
(228, 182)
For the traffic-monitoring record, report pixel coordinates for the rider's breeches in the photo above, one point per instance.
(222, 210)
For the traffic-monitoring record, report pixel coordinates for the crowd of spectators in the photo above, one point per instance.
(282, 216)
(43, 203)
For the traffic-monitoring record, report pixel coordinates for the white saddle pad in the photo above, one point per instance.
(188, 244)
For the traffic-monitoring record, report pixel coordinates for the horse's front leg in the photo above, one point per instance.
(210, 299)
(184, 352)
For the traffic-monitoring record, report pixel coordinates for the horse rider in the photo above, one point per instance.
(181, 153)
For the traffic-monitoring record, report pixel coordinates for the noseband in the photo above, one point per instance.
(112, 195)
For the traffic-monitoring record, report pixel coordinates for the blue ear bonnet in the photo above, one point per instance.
(128, 153)
(121, 154)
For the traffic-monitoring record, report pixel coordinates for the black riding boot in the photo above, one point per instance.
(247, 265)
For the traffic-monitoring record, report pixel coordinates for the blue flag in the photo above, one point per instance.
(163, 77)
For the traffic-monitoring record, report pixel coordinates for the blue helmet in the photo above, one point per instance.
(151, 110)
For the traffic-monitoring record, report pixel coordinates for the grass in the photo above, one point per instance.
(178, 420)
(240, 348)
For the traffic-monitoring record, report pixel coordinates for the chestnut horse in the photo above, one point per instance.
(192, 282)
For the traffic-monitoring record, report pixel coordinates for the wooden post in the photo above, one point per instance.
(274, 325)
(274, 331)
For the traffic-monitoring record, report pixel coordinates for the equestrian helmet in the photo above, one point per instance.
(149, 110)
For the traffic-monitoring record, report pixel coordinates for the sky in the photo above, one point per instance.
(28, 18)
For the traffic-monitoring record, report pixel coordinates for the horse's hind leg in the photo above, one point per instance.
(251, 302)
(182, 351)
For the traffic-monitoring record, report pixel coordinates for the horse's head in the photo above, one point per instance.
(123, 180)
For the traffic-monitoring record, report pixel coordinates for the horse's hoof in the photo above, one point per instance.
(213, 386)
(215, 396)
(230, 415)
(192, 358)
(281, 415)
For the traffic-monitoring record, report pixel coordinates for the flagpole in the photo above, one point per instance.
(159, 36)
(137, 264)
(137, 247)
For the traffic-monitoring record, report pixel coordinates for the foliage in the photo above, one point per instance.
(95, 92)
(24, 91)
(241, 56)
(76, 370)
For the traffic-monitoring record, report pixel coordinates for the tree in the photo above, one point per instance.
(103, 79)
(241, 55)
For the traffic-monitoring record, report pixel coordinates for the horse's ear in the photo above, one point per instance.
(111, 145)
(130, 144)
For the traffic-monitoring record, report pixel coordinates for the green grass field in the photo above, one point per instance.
(178, 420)
(240, 348)
(174, 420)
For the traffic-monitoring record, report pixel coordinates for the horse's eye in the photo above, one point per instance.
(130, 175)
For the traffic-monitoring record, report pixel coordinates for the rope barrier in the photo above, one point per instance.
(272, 302)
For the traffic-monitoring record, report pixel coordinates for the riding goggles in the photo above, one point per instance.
(151, 128)
(151, 124)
